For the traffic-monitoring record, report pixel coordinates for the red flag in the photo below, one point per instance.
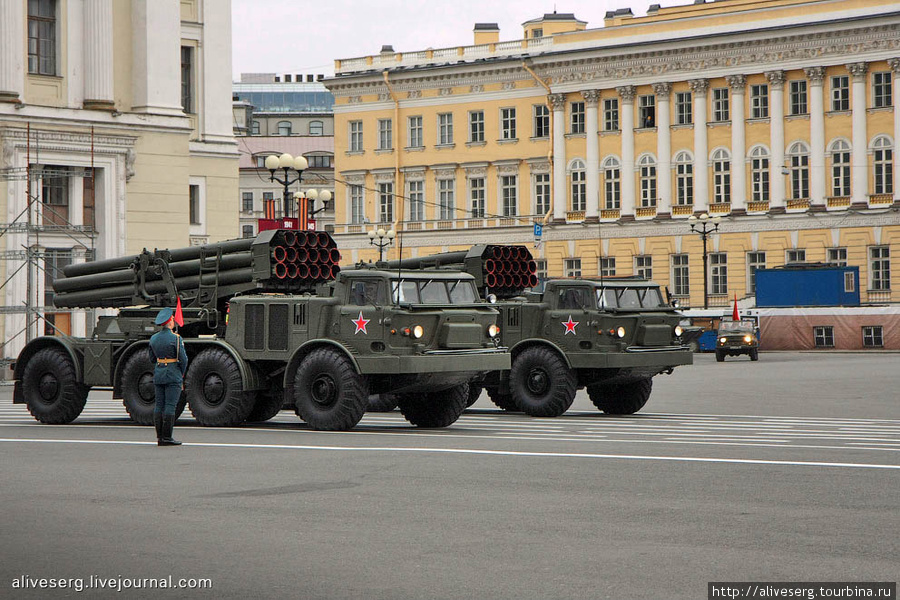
(734, 314)
(179, 317)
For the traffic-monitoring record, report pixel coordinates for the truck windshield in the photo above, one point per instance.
(435, 291)
(629, 298)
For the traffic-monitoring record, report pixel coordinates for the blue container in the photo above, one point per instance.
(807, 285)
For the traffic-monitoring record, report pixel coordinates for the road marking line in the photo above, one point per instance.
(741, 461)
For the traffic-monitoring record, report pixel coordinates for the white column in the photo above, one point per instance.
(560, 198)
(76, 196)
(776, 139)
(12, 50)
(98, 54)
(626, 93)
(591, 104)
(816, 77)
(663, 149)
(214, 72)
(895, 68)
(156, 56)
(699, 88)
(859, 158)
(738, 145)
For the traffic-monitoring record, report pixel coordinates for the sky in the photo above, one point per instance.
(293, 36)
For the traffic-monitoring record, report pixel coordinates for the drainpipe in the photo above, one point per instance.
(550, 151)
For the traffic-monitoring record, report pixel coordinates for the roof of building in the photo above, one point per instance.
(293, 145)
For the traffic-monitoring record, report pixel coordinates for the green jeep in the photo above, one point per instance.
(735, 338)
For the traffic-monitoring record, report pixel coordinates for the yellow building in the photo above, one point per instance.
(780, 117)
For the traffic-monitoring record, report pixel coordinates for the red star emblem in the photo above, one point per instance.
(360, 324)
(570, 326)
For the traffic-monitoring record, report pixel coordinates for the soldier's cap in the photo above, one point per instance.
(164, 315)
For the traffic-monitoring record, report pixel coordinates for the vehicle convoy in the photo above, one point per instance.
(611, 336)
(735, 338)
(267, 321)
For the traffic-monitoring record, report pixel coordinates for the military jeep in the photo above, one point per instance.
(735, 338)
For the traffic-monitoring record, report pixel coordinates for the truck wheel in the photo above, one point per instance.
(720, 356)
(474, 394)
(754, 354)
(267, 405)
(504, 401)
(541, 383)
(437, 409)
(52, 393)
(215, 390)
(138, 391)
(623, 399)
(382, 403)
(328, 392)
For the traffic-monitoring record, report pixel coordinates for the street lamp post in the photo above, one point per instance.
(287, 163)
(306, 201)
(705, 226)
(385, 239)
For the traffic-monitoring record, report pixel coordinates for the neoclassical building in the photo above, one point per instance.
(781, 117)
(116, 135)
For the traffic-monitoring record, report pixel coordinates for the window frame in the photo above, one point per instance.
(577, 117)
(42, 33)
(476, 126)
(798, 92)
(445, 129)
(681, 274)
(385, 134)
(477, 196)
(415, 192)
(718, 273)
(823, 334)
(840, 93)
(721, 105)
(540, 121)
(415, 136)
(684, 108)
(611, 114)
(759, 101)
(508, 123)
(355, 136)
(882, 89)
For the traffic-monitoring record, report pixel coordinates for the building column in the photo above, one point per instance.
(591, 121)
(859, 180)
(777, 197)
(816, 77)
(663, 150)
(895, 69)
(626, 93)
(156, 62)
(699, 88)
(12, 50)
(560, 198)
(98, 55)
(738, 145)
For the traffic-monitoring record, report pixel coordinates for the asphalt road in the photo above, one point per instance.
(781, 470)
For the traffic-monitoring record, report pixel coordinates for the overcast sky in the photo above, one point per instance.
(294, 36)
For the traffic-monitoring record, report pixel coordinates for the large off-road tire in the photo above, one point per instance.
(267, 405)
(541, 383)
(754, 354)
(623, 399)
(437, 409)
(215, 389)
(328, 392)
(474, 393)
(382, 403)
(720, 356)
(52, 392)
(138, 391)
(501, 400)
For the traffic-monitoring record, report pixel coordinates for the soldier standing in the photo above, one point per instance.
(167, 349)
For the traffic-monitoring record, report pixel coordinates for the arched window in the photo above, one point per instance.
(647, 166)
(612, 189)
(759, 174)
(883, 158)
(684, 179)
(284, 128)
(316, 128)
(579, 185)
(721, 176)
(799, 160)
(840, 168)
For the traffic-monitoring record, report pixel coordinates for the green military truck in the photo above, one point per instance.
(268, 321)
(609, 335)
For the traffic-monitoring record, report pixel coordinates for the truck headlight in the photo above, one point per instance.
(748, 338)
(620, 332)
(678, 331)
(418, 332)
(722, 340)
(493, 331)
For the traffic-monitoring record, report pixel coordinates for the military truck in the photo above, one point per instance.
(611, 336)
(268, 321)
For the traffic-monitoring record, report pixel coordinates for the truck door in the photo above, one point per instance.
(362, 317)
(569, 320)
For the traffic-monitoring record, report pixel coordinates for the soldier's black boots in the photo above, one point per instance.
(168, 423)
(158, 423)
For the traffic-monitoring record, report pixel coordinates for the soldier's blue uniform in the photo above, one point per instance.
(167, 351)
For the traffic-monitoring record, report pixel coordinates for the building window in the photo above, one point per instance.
(269, 206)
(684, 111)
(883, 165)
(247, 201)
(759, 102)
(541, 269)
(755, 261)
(356, 136)
(840, 93)
(187, 79)
(254, 127)
(840, 168)
(316, 128)
(577, 117)
(849, 282)
(572, 267)
(537, 33)
(385, 202)
(721, 177)
(684, 179)
(579, 185)
(873, 336)
(509, 187)
(647, 111)
(759, 175)
(415, 191)
(541, 121)
(194, 208)
(824, 336)
(648, 180)
(611, 114)
(476, 197)
(542, 193)
(42, 37)
(720, 105)
(881, 89)
(55, 196)
(799, 156)
(837, 256)
(416, 136)
(643, 267)
(680, 275)
(447, 198)
(608, 267)
(319, 162)
(445, 129)
(385, 134)
(795, 255)
(880, 267)
(357, 213)
(797, 92)
(476, 126)
(718, 273)
(247, 231)
(507, 123)
(284, 128)
(612, 189)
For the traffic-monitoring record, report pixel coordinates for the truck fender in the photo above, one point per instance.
(533, 342)
(35, 345)
(301, 353)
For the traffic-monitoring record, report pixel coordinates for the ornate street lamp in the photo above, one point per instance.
(287, 163)
(705, 226)
(306, 201)
(385, 239)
